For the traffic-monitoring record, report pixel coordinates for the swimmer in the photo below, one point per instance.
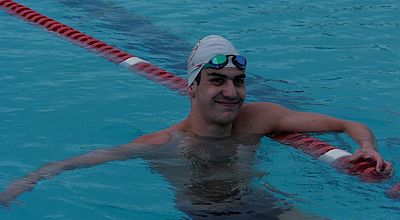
(213, 149)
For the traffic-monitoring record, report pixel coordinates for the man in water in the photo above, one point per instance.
(213, 149)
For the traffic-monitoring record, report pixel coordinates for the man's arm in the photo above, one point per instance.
(49, 170)
(281, 119)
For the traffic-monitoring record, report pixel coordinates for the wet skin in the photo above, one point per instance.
(213, 177)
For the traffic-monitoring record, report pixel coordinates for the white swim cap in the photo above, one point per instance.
(205, 49)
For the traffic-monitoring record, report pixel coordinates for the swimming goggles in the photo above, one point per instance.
(220, 61)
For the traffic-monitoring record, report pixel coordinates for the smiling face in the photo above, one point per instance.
(220, 95)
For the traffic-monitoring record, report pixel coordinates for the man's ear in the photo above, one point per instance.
(191, 89)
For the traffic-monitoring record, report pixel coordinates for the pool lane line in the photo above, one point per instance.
(364, 169)
(321, 150)
(130, 25)
(113, 54)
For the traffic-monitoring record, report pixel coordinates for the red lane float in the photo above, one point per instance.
(363, 168)
(317, 148)
(109, 52)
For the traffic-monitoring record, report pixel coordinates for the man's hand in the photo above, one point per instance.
(5, 199)
(382, 167)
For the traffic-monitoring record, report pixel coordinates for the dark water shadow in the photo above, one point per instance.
(137, 33)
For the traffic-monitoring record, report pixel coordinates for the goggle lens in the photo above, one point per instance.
(240, 61)
(219, 61)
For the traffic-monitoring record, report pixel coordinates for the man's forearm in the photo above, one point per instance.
(52, 169)
(27, 183)
(361, 134)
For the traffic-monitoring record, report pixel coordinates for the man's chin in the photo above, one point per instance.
(226, 118)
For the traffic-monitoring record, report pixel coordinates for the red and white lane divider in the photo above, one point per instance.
(111, 53)
(317, 148)
(363, 168)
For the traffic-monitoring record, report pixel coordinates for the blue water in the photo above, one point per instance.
(57, 100)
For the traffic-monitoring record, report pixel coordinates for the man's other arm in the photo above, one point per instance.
(50, 170)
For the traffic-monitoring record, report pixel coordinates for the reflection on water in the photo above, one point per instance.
(213, 177)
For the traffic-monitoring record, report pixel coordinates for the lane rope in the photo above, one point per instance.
(109, 52)
(365, 169)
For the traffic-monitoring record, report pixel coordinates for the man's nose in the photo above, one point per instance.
(229, 89)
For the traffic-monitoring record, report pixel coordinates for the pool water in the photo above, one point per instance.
(58, 100)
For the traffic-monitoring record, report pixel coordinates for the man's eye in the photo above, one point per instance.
(217, 80)
(238, 82)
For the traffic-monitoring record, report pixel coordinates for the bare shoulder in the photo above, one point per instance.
(160, 137)
(157, 138)
(262, 110)
(260, 117)
(264, 107)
